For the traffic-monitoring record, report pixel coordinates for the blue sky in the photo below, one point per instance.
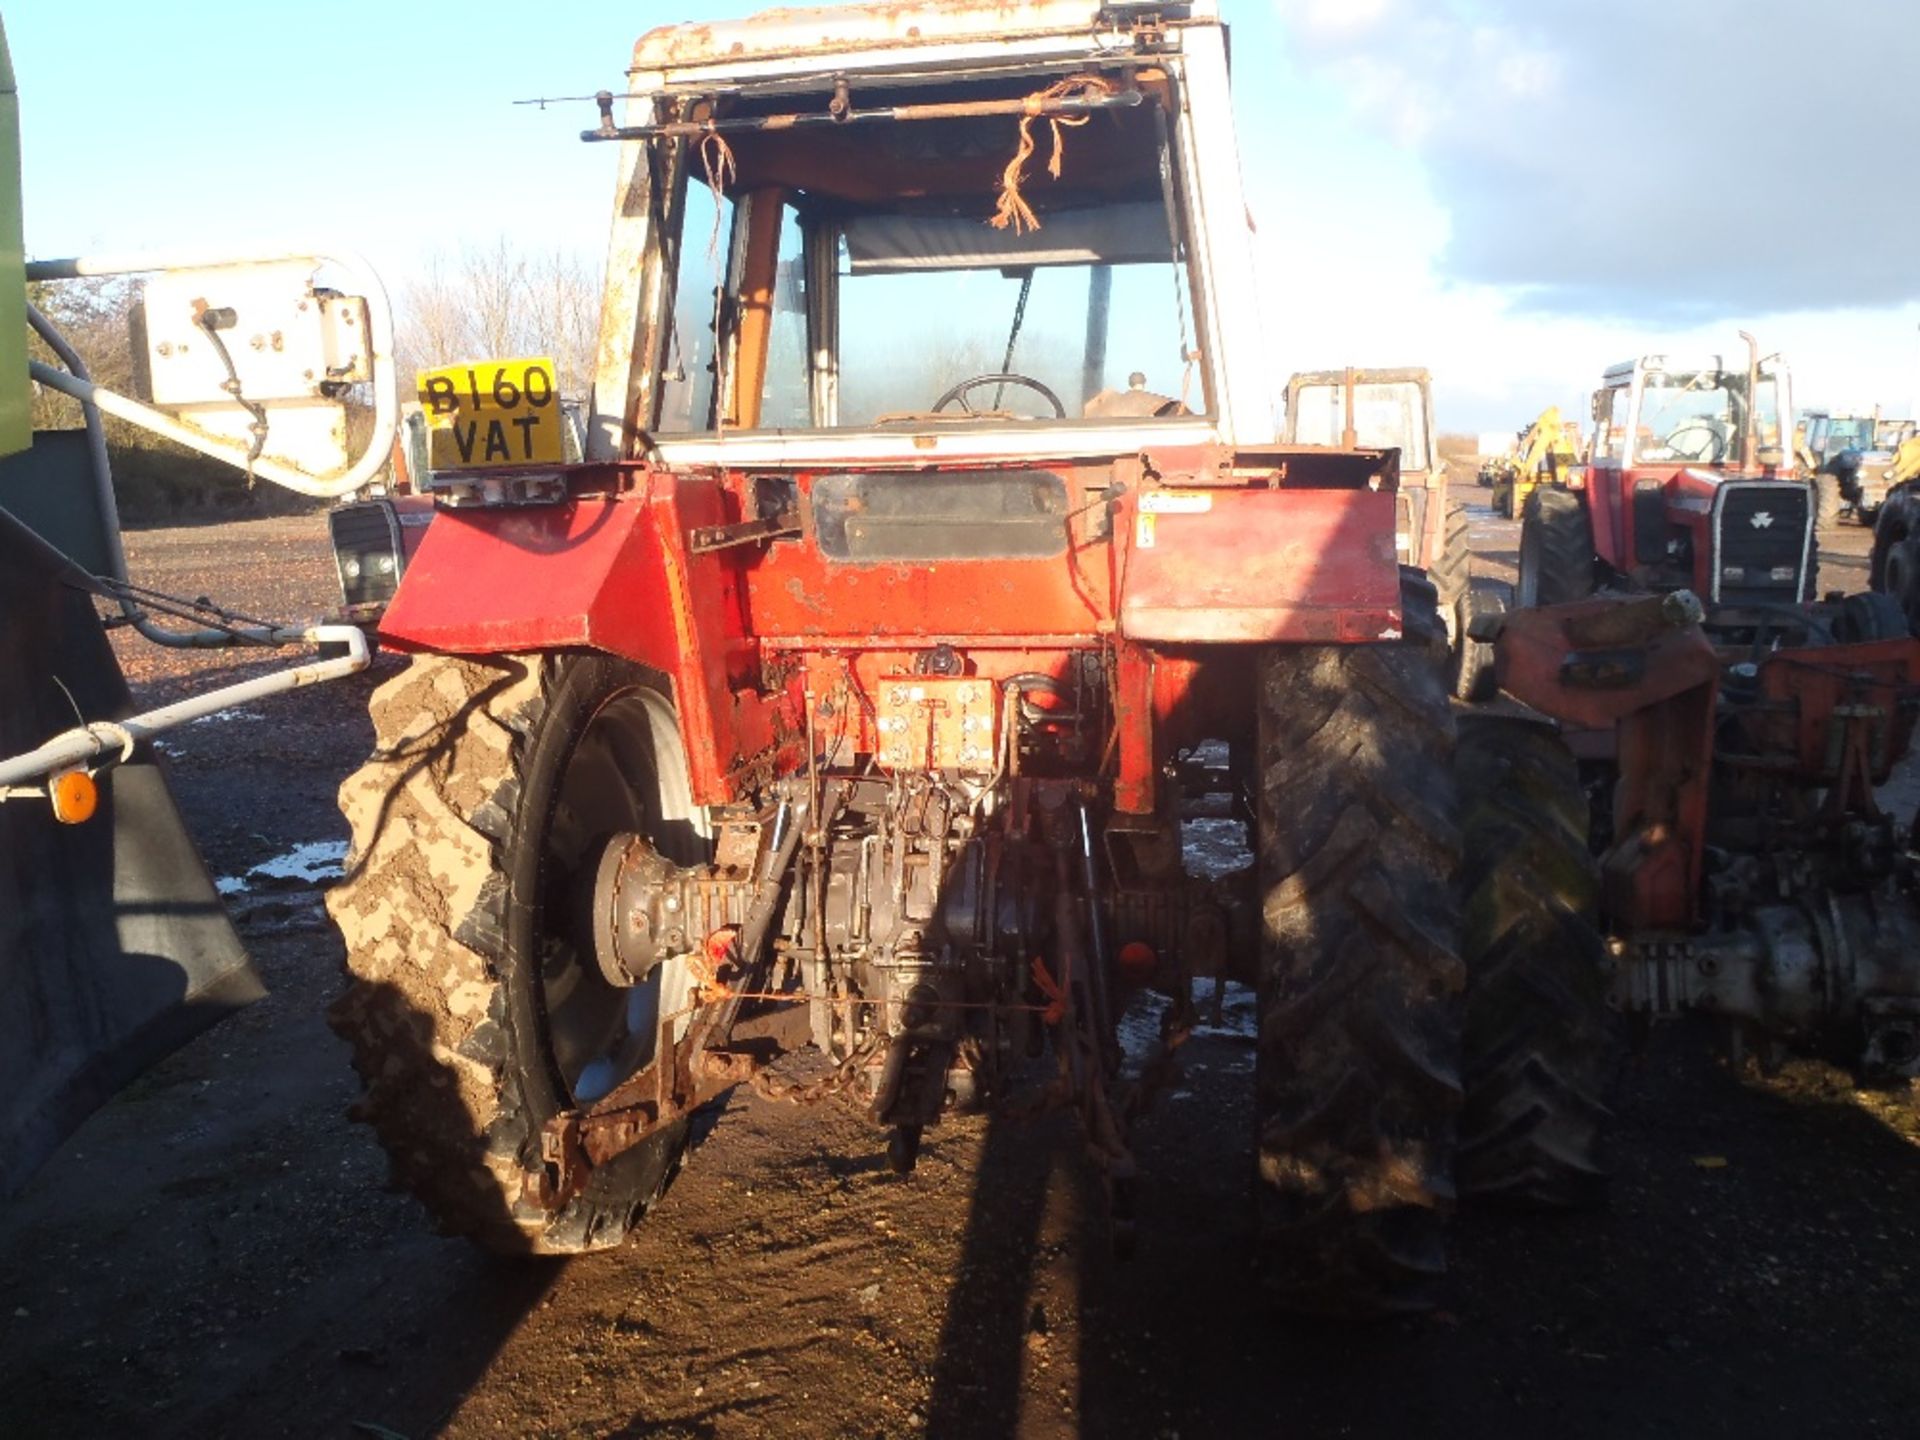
(1439, 182)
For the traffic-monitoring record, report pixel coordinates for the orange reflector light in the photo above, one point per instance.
(1137, 961)
(75, 797)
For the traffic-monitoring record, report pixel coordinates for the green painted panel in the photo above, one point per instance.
(16, 426)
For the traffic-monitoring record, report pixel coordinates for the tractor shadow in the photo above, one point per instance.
(1754, 1272)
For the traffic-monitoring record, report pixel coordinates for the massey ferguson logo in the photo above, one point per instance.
(1762, 519)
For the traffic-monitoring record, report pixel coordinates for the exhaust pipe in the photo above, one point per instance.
(1750, 437)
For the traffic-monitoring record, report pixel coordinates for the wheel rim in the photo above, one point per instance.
(610, 782)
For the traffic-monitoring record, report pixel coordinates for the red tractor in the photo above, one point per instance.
(1721, 737)
(821, 730)
(1689, 486)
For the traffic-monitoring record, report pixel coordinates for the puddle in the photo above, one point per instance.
(1139, 1028)
(1239, 1010)
(232, 712)
(1212, 846)
(310, 864)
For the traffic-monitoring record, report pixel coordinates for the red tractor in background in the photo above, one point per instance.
(1688, 486)
(1728, 731)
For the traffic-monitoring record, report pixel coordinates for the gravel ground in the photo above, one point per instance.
(215, 1254)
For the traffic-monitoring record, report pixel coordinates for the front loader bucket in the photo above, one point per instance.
(114, 948)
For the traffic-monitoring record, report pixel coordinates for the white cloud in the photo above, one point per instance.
(1517, 193)
(1653, 159)
(1333, 17)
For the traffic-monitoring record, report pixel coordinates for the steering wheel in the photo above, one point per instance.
(959, 392)
(1714, 450)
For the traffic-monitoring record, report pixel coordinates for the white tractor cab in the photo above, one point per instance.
(821, 280)
(1392, 409)
(1380, 410)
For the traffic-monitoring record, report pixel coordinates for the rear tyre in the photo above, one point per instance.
(1827, 501)
(1894, 568)
(1452, 575)
(1539, 1047)
(1903, 579)
(474, 1008)
(1357, 1082)
(1451, 571)
(1556, 549)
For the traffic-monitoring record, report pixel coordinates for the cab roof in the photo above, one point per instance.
(1690, 364)
(823, 32)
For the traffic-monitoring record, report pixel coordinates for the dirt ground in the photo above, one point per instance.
(215, 1252)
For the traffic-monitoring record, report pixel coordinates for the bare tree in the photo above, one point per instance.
(495, 300)
(93, 316)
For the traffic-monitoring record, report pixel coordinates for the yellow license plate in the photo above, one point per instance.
(495, 413)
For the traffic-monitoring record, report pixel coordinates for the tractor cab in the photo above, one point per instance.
(1380, 410)
(1828, 436)
(1689, 484)
(1851, 459)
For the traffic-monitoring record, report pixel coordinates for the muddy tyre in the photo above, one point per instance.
(473, 1011)
(1827, 501)
(1540, 1043)
(1360, 988)
(1452, 568)
(1894, 568)
(1452, 576)
(1556, 549)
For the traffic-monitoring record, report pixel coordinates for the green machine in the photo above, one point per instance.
(114, 946)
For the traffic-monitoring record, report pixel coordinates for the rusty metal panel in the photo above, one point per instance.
(496, 580)
(613, 573)
(798, 590)
(843, 29)
(937, 723)
(1817, 693)
(1260, 566)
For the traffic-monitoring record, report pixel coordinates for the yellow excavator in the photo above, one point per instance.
(1906, 460)
(1541, 456)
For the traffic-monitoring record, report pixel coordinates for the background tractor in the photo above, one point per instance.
(1851, 459)
(1715, 734)
(1744, 864)
(1895, 565)
(1687, 486)
(1393, 410)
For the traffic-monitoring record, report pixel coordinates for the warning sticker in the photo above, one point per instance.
(1175, 502)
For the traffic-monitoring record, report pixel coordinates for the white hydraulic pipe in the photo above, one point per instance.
(386, 399)
(84, 743)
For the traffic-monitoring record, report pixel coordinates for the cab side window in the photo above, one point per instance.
(1612, 441)
(689, 370)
